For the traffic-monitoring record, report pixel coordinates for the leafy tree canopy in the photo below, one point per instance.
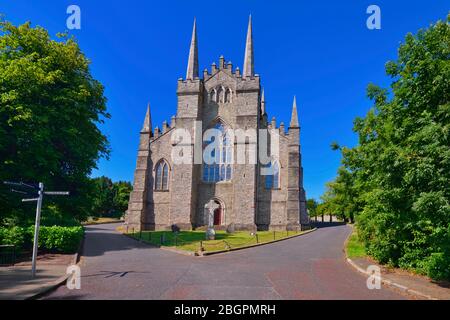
(110, 199)
(50, 109)
(397, 179)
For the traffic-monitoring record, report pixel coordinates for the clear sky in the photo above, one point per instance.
(320, 51)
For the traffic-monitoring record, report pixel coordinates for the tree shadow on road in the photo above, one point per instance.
(321, 225)
(99, 240)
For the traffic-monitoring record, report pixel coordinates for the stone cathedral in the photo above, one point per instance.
(168, 195)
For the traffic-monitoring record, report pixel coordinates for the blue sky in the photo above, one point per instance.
(320, 51)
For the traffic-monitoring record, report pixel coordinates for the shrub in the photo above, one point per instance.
(53, 239)
(59, 239)
(438, 266)
(13, 236)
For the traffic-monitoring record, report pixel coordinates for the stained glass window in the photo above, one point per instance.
(221, 169)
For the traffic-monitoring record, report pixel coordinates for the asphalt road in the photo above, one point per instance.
(307, 267)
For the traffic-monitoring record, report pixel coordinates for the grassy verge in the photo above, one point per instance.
(101, 221)
(193, 240)
(355, 248)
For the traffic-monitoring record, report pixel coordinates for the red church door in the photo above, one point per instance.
(218, 217)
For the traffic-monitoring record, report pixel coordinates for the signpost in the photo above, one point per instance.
(39, 200)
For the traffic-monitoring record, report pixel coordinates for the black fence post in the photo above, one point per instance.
(257, 240)
(140, 234)
(176, 240)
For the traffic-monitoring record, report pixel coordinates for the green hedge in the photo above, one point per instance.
(13, 236)
(52, 239)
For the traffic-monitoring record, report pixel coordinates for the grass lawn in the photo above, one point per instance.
(191, 240)
(355, 248)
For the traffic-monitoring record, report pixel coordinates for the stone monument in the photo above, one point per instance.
(211, 206)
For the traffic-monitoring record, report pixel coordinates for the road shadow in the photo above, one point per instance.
(12, 277)
(321, 225)
(99, 240)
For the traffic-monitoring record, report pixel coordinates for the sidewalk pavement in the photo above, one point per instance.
(416, 285)
(16, 282)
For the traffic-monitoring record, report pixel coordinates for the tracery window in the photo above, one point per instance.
(228, 94)
(220, 94)
(220, 169)
(162, 176)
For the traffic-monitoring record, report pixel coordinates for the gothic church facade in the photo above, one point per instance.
(167, 194)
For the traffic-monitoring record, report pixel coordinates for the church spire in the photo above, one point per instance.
(248, 60)
(192, 69)
(147, 128)
(294, 118)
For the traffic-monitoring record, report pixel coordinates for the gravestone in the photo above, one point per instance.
(231, 228)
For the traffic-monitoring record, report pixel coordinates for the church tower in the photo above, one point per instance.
(184, 178)
(169, 195)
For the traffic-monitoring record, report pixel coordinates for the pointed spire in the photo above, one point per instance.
(248, 60)
(192, 69)
(263, 103)
(294, 118)
(148, 121)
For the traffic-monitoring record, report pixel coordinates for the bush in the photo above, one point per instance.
(438, 266)
(13, 236)
(59, 239)
(52, 239)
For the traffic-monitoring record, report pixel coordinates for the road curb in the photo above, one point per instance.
(183, 252)
(61, 280)
(210, 253)
(384, 281)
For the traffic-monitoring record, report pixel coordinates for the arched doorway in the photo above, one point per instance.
(218, 215)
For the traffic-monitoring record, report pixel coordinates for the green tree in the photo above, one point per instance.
(342, 195)
(327, 206)
(103, 197)
(50, 106)
(401, 166)
(311, 205)
(110, 199)
(324, 208)
(122, 190)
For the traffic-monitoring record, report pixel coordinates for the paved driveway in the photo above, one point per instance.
(307, 267)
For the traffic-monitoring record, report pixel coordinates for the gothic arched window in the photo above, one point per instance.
(162, 176)
(220, 94)
(220, 168)
(212, 96)
(228, 94)
(273, 179)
